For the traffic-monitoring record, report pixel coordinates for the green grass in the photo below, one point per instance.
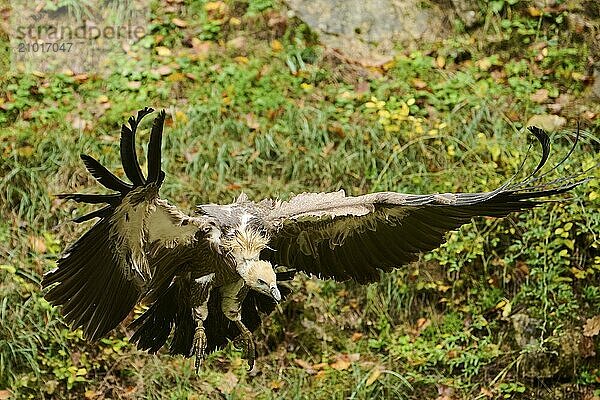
(272, 123)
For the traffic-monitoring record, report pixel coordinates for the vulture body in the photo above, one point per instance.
(208, 277)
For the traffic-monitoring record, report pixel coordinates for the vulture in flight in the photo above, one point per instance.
(207, 277)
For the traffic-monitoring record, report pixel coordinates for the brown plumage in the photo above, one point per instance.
(207, 277)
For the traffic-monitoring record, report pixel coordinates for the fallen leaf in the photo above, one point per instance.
(592, 326)
(215, 6)
(5, 394)
(80, 78)
(320, 366)
(534, 12)
(547, 122)
(241, 60)
(321, 374)
(25, 151)
(252, 121)
(276, 384)
(445, 393)
(373, 376)
(540, 96)
(37, 244)
(80, 123)
(201, 48)
(305, 365)
(422, 323)
(440, 61)
(164, 70)
(343, 361)
(356, 336)
(227, 383)
(419, 84)
(179, 22)
(484, 64)
(134, 85)
(276, 45)
(102, 99)
(163, 51)
(238, 43)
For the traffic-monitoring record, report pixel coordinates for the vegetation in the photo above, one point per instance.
(255, 104)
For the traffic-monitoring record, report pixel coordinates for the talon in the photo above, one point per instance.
(199, 347)
(246, 336)
(250, 352)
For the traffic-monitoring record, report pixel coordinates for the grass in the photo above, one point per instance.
(482, 317)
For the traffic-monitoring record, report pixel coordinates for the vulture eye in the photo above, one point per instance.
(261, 282)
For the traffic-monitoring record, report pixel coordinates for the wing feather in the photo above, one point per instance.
(139, 243)
(343, 237)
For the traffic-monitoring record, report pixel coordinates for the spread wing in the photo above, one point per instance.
(332, 235)
(139, 242)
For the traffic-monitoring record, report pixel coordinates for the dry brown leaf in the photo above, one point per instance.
(80, 123)
(419, 84)
(163, 51)
(134, 85)
(540, 96)
(252, 121)
(179, 22)
(164, 70)
(239, 42)
(373, 376)
(356, 336)
(305, 365)
(38, 244)
(422, 323)
(440, 61)
(5, 394)
(343, 361)
(547, 122)
(592, 326)
(80, 78)
(321, 374)
(227, 383)
(276, 384)
(276, 45)
(445, 393)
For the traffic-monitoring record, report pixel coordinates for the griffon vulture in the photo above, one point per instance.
(207, 276)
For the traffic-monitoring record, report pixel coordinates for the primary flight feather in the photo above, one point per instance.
(208, 276)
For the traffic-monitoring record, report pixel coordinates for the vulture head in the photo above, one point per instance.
(260, 276)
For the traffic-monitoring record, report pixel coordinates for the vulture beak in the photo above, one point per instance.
(275, 293)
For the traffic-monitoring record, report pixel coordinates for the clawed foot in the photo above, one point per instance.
(199, 347)
(246, 337)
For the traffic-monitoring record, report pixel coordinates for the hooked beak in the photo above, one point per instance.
(275, 293)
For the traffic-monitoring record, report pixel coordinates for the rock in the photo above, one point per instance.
(367, 30)
(559, 356)
(467, 11)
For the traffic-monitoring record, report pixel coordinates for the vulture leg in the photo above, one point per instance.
(249, 340)
(200, 295)
(233, 296)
